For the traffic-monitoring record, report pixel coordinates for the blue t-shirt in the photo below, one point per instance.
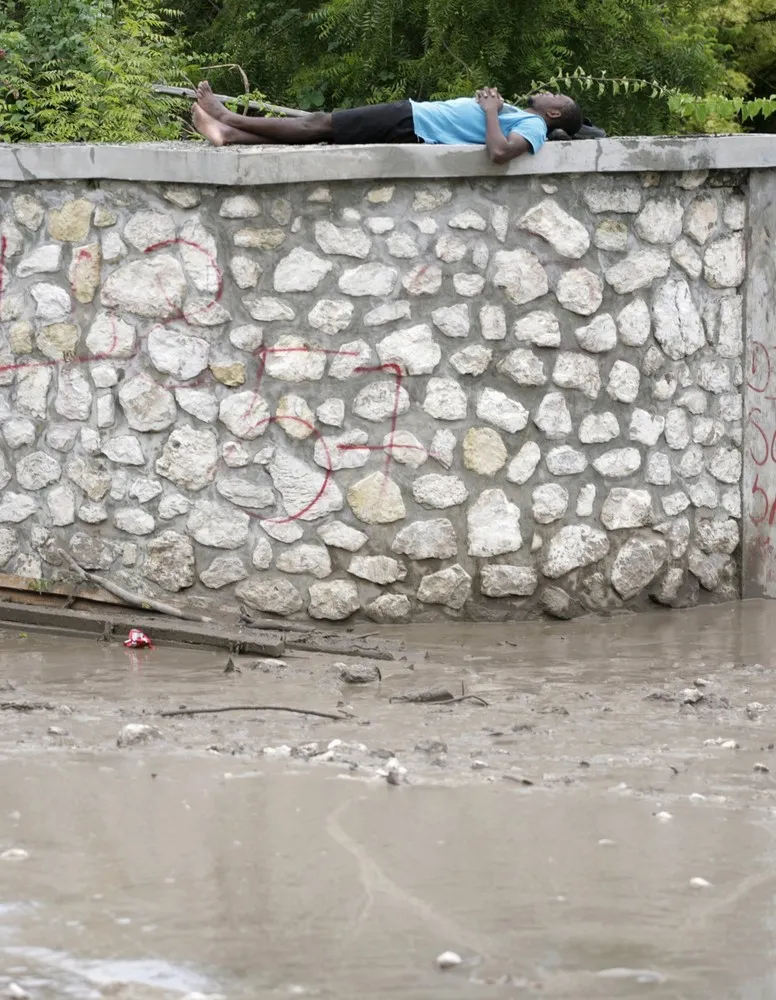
(462, 122)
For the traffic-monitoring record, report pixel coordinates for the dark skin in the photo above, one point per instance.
(223, 127)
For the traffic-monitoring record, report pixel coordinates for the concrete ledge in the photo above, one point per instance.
(190, 163)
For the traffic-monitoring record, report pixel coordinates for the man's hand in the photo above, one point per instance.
(489, 99)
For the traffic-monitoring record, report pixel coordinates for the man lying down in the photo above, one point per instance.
(504, 130)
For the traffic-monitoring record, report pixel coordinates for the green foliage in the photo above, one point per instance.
(82, 70)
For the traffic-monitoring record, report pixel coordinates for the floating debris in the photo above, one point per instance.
(358, 673)
(448, 959)
(15, 854)
(664, 817)
(135, 733)
(762, 768)
(700, 883)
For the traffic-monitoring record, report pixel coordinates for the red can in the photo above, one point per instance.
(138, 640)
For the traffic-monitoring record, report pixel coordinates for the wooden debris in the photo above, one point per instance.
(252, 708)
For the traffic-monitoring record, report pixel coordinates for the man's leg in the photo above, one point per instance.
(222, 135)
(284, 131)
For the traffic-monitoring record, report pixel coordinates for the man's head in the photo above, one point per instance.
(558, 111)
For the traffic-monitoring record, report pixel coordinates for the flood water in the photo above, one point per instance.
(199, 865)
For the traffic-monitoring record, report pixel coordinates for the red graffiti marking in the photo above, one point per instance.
(3, 255)
(178, 313)
(762, 447)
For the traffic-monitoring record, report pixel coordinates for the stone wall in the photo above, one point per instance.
(485, 398)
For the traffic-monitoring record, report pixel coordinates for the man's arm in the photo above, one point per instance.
(501, 148)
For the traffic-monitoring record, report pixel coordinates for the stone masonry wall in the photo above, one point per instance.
(485, 399)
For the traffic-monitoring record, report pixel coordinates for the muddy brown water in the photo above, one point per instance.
(200, 865)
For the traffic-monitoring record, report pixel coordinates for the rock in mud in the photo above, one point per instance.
(431, 746)
(448, 960)
(691, 696)
(357, 673)
(135, 733)
(424, 696)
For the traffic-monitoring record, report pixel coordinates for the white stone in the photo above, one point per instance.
(600, 335)
(222, 571)
(269, 310)
(173, 505)
(577, 371)
(104, 376)
(245, 414)
(380, 401)
(580, 291)
(438, 492)
(176, 353)
(347, 451)
(612, 236)
(565, 461)
(725, 465)
(597, 428)
(307, 493)
(300, 271)
(106, 410)
(611, 195)
(624, 380)
(658, 469)
(443, 447)
(279, 597)
(90, 440)
(331, 412)
(405, 448)
(32, 385)
(244, 492)
(638, 270)
(707, 431)
(134, 521)
(690, 180)
(402, 245)
(573, 547)
(520, 274)
(718, 535)
(684, 254)
(389, 312)
(618, 463)
(347, 242)
(36, 471)
(199, 403)
(484, 451)
(450, 248)
(333, 601)
(374, 279)
(153, 287)
(189, 458)
(146, 405)
(677, 429)
(144, 490)
(351, 359)
(724, 263)
(426, 225)
(380, 224)
(645, 427)
(381, 195)
(342, 536)
(660, 221)
(74, 395)
(498, 409)
(499, 219)
(376, 500)
(674, 504)
(146, 229)
(239, 206)
(424, 279)
(700, 219)
(113, 247)
(312, 560)
(28, 212)
(331, 316)
(381, 570)
(53, 303)
(703, 493)
(565, 234)
(450, 587)
(540, 328)
(498, 580)
(91, 477)
(524, 464)
(730, 342)
(43, 260)
(426, 540)
(637, 564)
(473, 360)
(493, 324)
(633, 323)
(678, 326)
(549, 502)
(199, 252)
(468, 219)
(714, 376)
(262, 554)
(453, 321)
(445, 399)
(245, 271)
(217, 526)
(111, 337)
(553, 417)
(60, 503)
(291, 359)
(16, 507)
(523, 367)
(493, 525)
(586, 500)
(413, 348)
(294, 417)
(19, 432)
(691, 462)
(428, 199)
(625, 508)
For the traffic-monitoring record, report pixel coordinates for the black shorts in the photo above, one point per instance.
(374, 123)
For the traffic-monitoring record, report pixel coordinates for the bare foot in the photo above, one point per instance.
(213, 131)
(209, 103)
